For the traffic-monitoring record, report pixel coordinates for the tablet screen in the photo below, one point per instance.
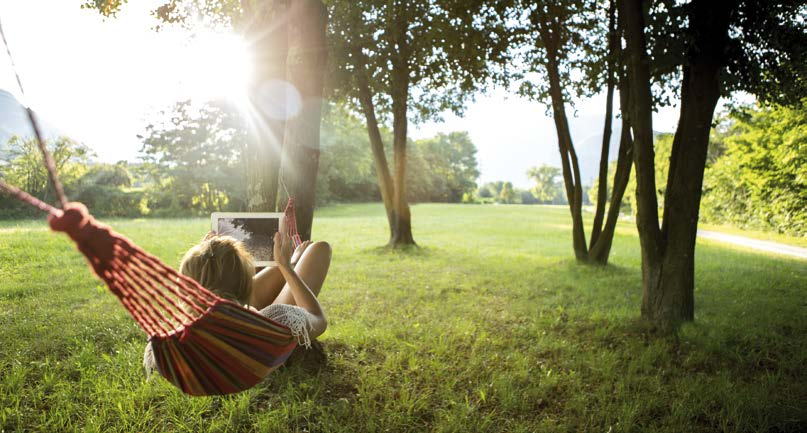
(257, 234)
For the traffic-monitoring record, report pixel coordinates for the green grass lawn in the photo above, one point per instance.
(490, 327)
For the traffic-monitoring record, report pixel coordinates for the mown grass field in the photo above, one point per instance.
(489, 327)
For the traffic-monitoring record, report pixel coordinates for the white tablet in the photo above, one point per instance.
(255, 229)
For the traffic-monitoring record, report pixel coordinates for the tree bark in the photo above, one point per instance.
(602, 188)
(640, 110)
(600, 250)
(305, 69)
(601, 235)
(267, 36)
(376, 143)
(402, 228)
(568, 156)
(668, 253)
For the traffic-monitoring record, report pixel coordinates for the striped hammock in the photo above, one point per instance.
(203, 344)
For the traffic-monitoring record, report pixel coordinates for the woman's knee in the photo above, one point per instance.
(320, 248)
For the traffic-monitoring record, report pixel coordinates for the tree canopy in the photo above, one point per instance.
(393, 60)
(547, 187)
(570, 51)
(198, 153)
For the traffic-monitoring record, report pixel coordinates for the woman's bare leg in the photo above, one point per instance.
(266, 285)
(312, 269)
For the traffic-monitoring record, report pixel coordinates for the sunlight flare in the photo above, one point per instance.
(217, 66)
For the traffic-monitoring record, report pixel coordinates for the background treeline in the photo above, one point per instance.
(756, 175)
(547, 188)
(192, 163)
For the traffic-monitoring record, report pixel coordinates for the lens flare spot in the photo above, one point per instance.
(278, 99)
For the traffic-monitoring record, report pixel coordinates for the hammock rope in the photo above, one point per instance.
(50, 164)
(290, 217)
(291, 223)
(203, 344)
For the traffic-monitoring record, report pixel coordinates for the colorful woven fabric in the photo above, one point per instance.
(228, 349)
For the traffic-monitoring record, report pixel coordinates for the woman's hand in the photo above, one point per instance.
(283, 246)
(298, 252)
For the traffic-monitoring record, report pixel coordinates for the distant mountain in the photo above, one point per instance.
(14, 121)
(586, 134)
(587, 138)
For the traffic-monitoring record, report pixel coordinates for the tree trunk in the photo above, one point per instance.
(402, 229)
(602, 188)
(376, 143)
(668, 253)
(601, 249)
(638, 72)
(601, 235)
(267, 37)
(305, 68)
(568, 156)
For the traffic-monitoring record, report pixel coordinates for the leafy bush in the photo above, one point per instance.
(106, 190)
(760, 180)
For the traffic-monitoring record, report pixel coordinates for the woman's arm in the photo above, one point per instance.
(303, 296)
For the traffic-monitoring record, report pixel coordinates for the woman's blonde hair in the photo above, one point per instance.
(222, 265)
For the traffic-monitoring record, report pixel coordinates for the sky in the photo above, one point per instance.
(99, 81)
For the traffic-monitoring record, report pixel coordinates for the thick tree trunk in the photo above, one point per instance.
(267, 37)
(376, 144)
(638, 71)
(402, 229)
(668, 253)
(306, 72)
(700, 90)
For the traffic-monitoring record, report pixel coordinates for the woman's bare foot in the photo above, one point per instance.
(298, 252)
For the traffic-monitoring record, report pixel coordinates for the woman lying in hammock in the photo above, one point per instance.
(286, 293)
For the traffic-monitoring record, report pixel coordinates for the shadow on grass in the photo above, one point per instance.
(310, 360)
(328, 371)
(405, 251)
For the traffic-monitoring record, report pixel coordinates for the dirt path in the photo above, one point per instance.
(771, 247)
